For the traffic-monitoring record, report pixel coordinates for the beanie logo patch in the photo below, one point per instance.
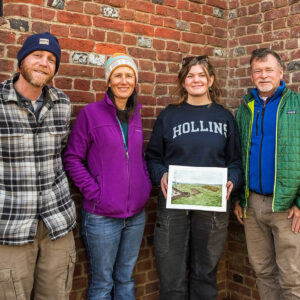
(44, 42)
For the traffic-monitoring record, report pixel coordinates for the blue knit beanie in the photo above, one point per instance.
(40, 41)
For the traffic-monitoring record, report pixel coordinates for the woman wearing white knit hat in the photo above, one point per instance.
(105, 159)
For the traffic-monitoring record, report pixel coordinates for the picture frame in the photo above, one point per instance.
(197, 188)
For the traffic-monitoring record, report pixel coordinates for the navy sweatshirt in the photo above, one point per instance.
(200, 136)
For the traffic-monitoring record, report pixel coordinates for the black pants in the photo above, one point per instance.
(196, 236)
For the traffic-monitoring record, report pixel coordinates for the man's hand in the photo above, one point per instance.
(295, 213)
(238, 211)
(164, 184)
(229, 186)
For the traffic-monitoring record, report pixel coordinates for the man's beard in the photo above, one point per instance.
(34, 78)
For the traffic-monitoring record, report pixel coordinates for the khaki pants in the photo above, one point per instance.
(40, 270)
(274, 250)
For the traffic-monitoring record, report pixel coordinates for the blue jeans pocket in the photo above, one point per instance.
(161, 235)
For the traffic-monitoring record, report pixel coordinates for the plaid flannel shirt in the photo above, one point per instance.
(33, 184)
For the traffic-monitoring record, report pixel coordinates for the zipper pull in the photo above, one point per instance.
(127, 155)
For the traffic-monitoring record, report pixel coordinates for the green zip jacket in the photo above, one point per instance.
(287, 151)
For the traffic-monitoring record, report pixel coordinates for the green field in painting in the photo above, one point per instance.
(197, 194)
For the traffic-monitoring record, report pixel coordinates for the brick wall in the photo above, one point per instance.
(157, 34)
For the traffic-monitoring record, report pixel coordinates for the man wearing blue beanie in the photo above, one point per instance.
(37, 214)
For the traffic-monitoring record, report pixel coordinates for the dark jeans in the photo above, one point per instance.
(194, 236)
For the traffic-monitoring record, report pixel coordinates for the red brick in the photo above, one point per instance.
(79, 96)
(193, 17)
(82, 84)
(295, 54)
(38, 2)
(169, 56)
(196, 28)
(252, 39)
(173, 68)
(15, 10)
(295, 32)
(79, 32)
(193, 37)
(142, 53)
(75, 70)
(207, 10)
(172, 46)
(213, 41)
(252, 29)
(156, 20)
(63, 83)
(182, 5)
(12, 51)
(108, 23)
(293, 21)
(171, 3)
(76, 6)
(160, 67)
(60, 30)
(109, 48)
(166, 78)
(246, 21)
(266, 5)
(39, 27)
(159, 44)
(7, 37)
(266, 27)
(146, 89)
(278, 13)
(97, 35)
(145, 65)
(280, 3)
(91, 8)
(295, 9)
(220, 33)
(42, 13)
(146, 77)
(147, 100)
(291, 44)
(276, 35)
(99, 85)
(254, 9)
(7, 65)
(115, 3)
(139, 29)
(217, 3)
(78, 45)
(168, 22)
(142, 17)
(73, 18)
(141, 6)
(208, 29)
(129, 39)
(195, 7)
(160, 89)
(166, 11)
(167, 33)
(113, 37)
(184, 48)
(126, 14)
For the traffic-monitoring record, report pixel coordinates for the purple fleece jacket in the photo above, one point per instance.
(112, 184)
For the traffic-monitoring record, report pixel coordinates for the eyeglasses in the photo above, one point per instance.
(187, 59)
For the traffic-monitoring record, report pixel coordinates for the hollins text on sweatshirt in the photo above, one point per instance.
(199, 136)
(200, 126)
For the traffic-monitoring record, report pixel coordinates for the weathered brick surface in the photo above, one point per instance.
(157, 34)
